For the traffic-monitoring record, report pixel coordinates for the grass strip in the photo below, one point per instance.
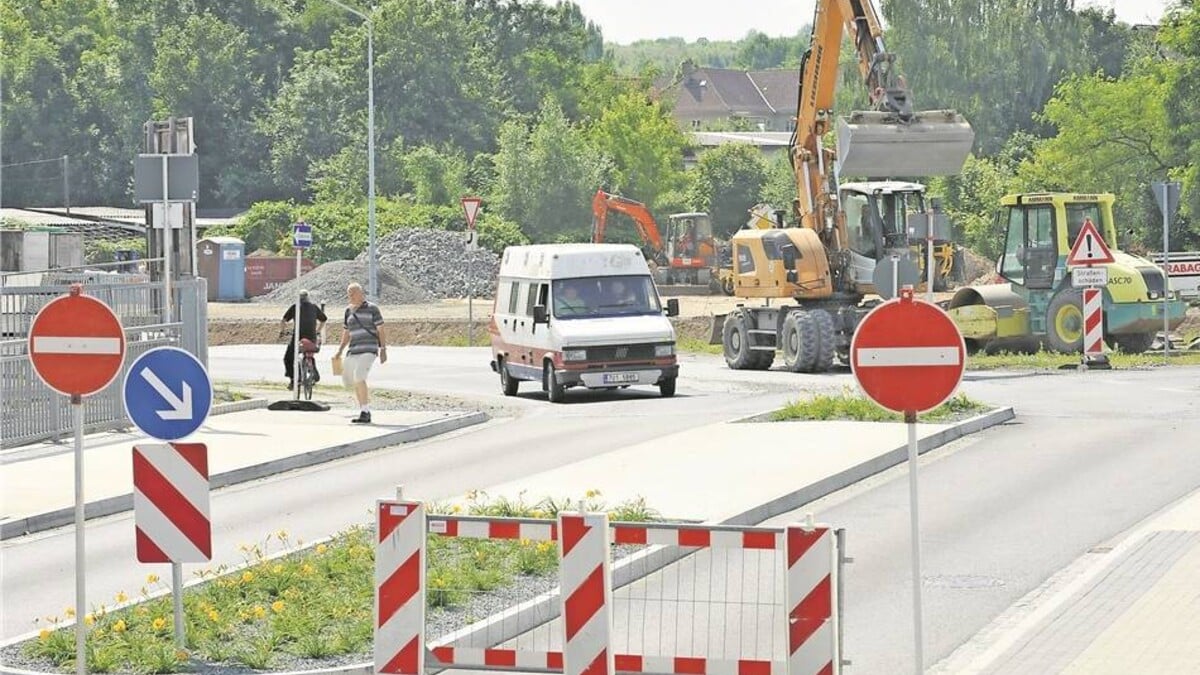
(853, 407)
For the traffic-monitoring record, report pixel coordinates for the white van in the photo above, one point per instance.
(570, 315)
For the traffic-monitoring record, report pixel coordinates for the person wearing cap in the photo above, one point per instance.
(312, 320)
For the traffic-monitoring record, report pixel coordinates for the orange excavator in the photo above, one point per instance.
(688, 255)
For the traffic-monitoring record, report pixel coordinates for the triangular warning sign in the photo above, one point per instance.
(471, 208)
(1089, 248)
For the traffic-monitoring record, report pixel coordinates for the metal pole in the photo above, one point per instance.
(895, 276)
(929, 255)
(168, 253)
(177, 599)
(373, 265)
(918, 642)
(296, 336)
(842, 560)
(1166, 209)
(470, 304)
(67, 182)
(80, 557)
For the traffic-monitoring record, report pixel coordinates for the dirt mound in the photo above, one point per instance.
(327, 283)
(977, 269)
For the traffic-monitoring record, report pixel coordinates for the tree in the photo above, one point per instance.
(1181, 36)
(545, 177)
(779, 188)
(727, 184)
(645, 144)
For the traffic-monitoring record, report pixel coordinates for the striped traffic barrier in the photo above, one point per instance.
(400, 588)
(586, 594)
(809, 596)
(1093, 322)
(171, 503)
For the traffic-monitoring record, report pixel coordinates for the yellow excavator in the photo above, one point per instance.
(822, 269)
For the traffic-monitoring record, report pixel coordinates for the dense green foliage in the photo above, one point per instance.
(522, 103)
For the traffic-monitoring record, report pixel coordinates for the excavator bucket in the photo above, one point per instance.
(874, 144)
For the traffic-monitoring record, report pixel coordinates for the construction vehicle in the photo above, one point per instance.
(818, 265)
(688, 255)
(1037, 306)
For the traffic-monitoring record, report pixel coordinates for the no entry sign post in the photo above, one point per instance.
(77, 347)
(908, 356)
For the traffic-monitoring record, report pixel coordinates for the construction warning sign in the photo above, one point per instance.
(1089, 248)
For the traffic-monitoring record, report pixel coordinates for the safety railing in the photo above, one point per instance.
(725, 599)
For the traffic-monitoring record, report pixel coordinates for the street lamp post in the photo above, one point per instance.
(372, 261)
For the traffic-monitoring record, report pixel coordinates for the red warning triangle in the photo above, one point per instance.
(1089, 248)
(471, 209)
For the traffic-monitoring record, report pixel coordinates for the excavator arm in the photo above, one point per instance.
(647, 229)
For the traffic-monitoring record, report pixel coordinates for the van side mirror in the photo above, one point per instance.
(539, 314)
(673, 307)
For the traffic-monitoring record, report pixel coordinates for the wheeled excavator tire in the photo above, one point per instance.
(826, 345)
(735, 339)
(1133, 343)
(1064, 322)
(798, 342)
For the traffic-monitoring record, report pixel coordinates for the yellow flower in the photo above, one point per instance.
(89, 619)
(592, 494)
(321, 548)
(307, 569)
(119, 626)
(98, 633)
(282, 534)
(181, 654)
(259, 612)
(276, 569)
(121, 597)
(159, 623)
(44, 634)
(456, 509)
(152, 578)
(213, 615)
(277, 606)
(247, 576)
(70, 612)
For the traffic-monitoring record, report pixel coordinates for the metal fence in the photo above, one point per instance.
(31, 411)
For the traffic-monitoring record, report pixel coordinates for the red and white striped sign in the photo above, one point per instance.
(465, 657)
(474, 527)
(170, 503)
(400, 588)
(908, 355)
(1093, 322)
(811, 639)
(696, 536)
(586, 594)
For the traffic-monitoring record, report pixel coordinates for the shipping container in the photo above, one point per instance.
(266, 273)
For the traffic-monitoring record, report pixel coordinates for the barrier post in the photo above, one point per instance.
(400, 587)
(586, 593)
(809, 596)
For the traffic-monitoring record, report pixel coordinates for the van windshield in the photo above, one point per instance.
(592, 297)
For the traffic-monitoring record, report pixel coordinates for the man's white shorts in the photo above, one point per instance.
(355, 368)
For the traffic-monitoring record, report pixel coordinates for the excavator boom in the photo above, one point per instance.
(647, 229)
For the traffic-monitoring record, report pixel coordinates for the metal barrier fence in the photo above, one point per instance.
(683, 599)
(31, 411)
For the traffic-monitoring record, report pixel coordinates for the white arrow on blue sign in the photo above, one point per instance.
(167, 393)
(301, 235)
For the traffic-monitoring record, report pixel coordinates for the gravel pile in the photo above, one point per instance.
(436, 260)
(327, 283)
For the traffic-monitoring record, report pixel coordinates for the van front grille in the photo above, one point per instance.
(640, 352)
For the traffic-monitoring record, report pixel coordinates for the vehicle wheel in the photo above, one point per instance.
(554, 391)
(735, 338)
(763, 359)
(1134, 343)
(667, 387)
(1064, 322)
(826, 340)
(727, 286)
(798, 345)
(507, 382)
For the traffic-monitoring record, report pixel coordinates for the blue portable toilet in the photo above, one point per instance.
(222, 261)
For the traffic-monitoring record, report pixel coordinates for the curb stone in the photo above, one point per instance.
(519, 619)
(121, 503)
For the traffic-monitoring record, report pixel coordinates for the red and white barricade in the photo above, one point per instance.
(1093, 323)
(585, 598)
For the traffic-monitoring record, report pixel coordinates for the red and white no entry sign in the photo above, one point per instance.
(908, 355)
(76, 344)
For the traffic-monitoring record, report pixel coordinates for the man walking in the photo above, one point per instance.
(363, 333)
(312, 320)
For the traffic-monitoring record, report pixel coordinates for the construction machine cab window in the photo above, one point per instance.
(1077, 213)
(858, 224)
(1030, 248)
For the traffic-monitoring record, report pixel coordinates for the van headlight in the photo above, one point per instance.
(664, 350)
(574, 355)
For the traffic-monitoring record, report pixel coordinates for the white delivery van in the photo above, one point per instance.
(581, 315)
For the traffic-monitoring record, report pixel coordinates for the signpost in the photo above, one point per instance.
(77, 348)
(168, 395)
(471, 206)
(301, 241)
(1167, 196)
(908, 356)
(1089, 249)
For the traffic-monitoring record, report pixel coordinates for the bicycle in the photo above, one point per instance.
(306, 375)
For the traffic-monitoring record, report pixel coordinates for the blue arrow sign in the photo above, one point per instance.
(302, 235)
(167, 393)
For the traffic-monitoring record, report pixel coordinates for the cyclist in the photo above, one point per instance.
(312, 320)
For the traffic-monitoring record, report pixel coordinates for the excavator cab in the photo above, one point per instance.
(690, 248)
(877, 215)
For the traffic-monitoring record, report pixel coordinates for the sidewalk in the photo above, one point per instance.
(1137, 610)
(38, 485)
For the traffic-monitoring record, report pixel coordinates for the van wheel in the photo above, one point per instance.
(554, 391)
(507, 382)
(667, 387)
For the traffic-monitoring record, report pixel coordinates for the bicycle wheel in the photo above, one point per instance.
(307, 376)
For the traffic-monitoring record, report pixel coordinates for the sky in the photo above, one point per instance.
(624, 21)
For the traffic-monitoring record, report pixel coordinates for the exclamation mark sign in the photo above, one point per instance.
(1089, 246)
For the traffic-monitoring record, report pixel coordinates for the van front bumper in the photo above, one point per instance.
(616, 377)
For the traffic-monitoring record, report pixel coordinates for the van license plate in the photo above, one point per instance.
(620, 378)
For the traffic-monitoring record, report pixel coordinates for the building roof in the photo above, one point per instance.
(762, 139)
(726, 92)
